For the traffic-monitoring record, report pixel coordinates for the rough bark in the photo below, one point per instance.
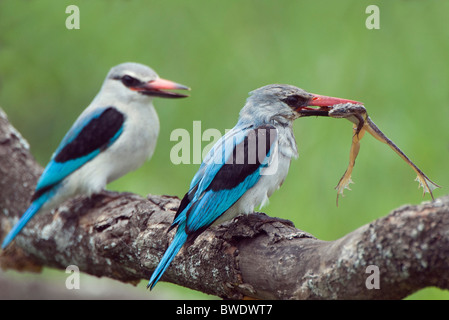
(123, 236)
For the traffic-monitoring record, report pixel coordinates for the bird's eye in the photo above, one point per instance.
(294, 100)
(130, 81)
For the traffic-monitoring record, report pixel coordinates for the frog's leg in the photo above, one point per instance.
(424, 182)
(359, 131)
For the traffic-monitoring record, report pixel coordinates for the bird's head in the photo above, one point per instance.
(134, 81)
(285, 103)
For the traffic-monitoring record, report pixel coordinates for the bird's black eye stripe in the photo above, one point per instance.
(295, 101)
(130, 81)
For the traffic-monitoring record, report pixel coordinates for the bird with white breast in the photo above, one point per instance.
(114, 135)
(246, 165)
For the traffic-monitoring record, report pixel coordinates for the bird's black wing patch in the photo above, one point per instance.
(245, 159)
(96, 135)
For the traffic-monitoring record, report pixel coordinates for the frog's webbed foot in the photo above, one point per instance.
(343, 184)
(427, 184)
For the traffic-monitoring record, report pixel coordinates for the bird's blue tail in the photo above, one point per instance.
(173, 249)
(31, 211)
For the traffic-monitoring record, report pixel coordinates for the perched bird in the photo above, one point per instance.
(246, 165)
(114, 135)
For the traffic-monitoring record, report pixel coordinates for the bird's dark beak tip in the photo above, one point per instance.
(179, 95)
(319, 112)
(164, 94)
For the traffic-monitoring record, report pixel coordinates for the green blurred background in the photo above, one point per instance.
(223, 50)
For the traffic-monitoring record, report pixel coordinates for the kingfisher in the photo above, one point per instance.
(244, 167)
(114, 135)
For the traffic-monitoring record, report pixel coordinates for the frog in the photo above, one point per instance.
(362, 123)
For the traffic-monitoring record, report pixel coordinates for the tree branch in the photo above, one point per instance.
(123, 236)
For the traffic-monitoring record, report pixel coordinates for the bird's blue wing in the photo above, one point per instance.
(88, 136)
(211, 165)
(232, 167)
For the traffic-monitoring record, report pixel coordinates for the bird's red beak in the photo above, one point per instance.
(324, 103)
(157, 87)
